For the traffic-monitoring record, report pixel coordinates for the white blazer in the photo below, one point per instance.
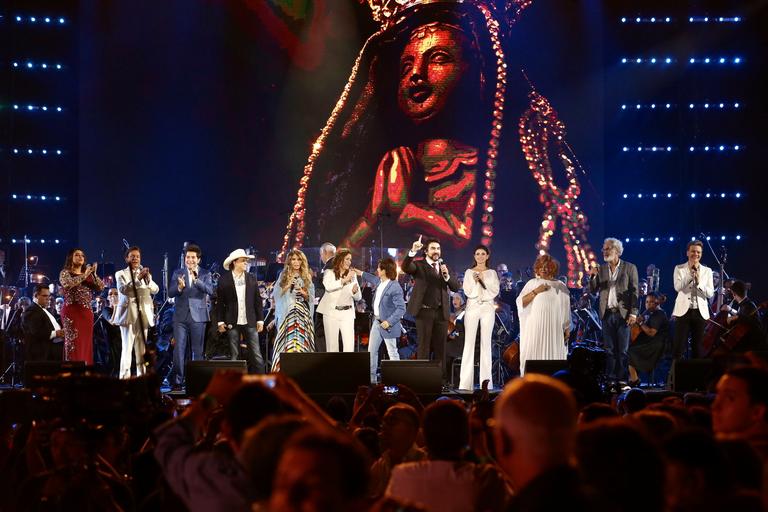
(685, 288)
(125, 312)
(340, 295)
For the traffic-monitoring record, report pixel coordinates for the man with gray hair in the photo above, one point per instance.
(616, 283)
(535, 437)
(327, 253)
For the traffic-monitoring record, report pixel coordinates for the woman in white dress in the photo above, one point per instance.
(481, 286)
(544, 307)
(338, 303)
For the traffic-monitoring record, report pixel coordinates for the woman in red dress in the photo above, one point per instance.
(78, 282)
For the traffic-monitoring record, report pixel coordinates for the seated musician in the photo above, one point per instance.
(742, 312)
(647, 348)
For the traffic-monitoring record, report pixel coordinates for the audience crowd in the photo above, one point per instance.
(260, 443)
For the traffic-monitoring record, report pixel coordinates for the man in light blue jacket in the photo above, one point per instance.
(388, 310)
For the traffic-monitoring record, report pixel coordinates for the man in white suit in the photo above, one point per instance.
(693, 283)
(135, 288)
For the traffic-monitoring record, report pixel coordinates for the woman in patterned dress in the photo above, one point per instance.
(78, 282)
(293, 297)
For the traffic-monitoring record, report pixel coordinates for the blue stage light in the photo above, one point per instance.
(693, 195)
(42, 240)
(690, 20)
(721, 105)
(626, 240)
(722, 237)
(722, 195)
(667, 20)
(692, 60)
(13, 196)
(637, 20)
(653, 60)
(625, 196)
(29, 197)
(706, 61)
(738, 195)
(653, 20)
(58, 198)
(624, 61)
(638, 60)
(13, 240)
(708, 238)
(735, 148)
(737, 60)
(738, 237)
(625, 149)
(669, 195)
(45, 151)
(43, 198)
(722, 148)
(29, 65)
(708, 195)
(47, 20)
(623, 107)
(706, 148)
(691, 149)
(706, 105)
(58, 66)
(61, 20)
(638, 106)
(656, 239)
(735, 105)
(653, 105)
(639, 148)
(671, 239)
(653, 195)
(642, 239)
(32, 19)
(669, 148)
(58, 151)
(690, 105)
(667, 105)
(623, 20)
(639, 196)
(668, 60)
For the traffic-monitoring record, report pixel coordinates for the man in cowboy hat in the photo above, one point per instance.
(239, 309)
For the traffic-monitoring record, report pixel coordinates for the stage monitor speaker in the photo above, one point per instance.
(693, 375)
(420, 375)
(199, 373)
(545, 366)
(33, 370)
(327, 372)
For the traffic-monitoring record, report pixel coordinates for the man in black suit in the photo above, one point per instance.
(239, 309)
(429, 303)
(43, 336)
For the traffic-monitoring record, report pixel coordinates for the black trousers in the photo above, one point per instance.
(693, 324)
(432, 331)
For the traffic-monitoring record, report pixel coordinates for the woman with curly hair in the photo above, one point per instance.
(544, 306)
(293, 296)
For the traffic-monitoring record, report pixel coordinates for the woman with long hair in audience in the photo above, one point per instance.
(293, 297)
(544, 307)
(78, 282)
(481, 286)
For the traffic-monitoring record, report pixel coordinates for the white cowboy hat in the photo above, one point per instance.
(237, 253)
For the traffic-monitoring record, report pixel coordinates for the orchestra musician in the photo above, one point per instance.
(649, 337)
(742, 312)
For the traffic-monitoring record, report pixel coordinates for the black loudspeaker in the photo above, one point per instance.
(33, 370)
(545, 366)
(327, 372)
(199, 373)
(421, 375)
(693, 375)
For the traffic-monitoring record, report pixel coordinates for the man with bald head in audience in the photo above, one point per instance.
(535, 435)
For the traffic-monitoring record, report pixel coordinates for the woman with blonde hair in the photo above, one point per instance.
(544, 306)
(293, 298)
